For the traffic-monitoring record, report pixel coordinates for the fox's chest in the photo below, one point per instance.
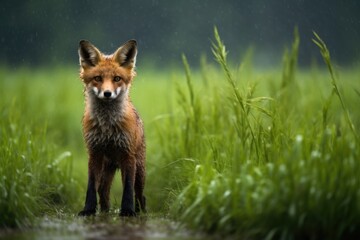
(107, 134)
(108, 124)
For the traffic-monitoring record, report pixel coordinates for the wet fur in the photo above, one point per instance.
(114, 136)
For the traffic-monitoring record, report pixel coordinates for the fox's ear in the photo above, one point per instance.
(89, 55)
(126, 54)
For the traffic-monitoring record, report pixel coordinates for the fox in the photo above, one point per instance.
(112, 128)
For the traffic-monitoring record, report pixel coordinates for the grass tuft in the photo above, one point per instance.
(326, 57)
(277, 179)
(34, 179)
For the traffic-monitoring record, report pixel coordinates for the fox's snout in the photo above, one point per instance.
(108, 94)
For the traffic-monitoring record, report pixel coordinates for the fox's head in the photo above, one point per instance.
(107, 77)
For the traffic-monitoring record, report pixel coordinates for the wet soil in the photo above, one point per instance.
(104, 227)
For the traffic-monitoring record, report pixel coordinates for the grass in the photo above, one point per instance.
(230, 150)
(36, 177)
(269, 164)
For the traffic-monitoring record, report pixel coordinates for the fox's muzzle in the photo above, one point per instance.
(108, 94)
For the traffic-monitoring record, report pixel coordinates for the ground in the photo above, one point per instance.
(105, 227)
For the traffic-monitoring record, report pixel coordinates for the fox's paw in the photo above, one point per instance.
(127, 213)
(85, 213)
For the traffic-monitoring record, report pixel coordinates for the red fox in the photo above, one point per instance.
(112, 128)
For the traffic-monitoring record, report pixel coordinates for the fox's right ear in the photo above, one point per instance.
(89, 55)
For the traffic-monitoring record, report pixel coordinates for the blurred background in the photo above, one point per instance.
(38, 32)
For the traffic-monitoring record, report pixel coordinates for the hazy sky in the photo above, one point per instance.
(40, 32)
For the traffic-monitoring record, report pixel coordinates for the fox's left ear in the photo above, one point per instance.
(89, 55)
(126, 54)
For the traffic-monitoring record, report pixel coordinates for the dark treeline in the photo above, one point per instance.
(47, 32)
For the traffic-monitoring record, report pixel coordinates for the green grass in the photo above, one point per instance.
(282, 163)
(36, 176)
(230, 149)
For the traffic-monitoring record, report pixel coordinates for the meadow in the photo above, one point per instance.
(231, 149)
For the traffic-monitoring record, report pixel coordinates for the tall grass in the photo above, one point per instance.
(36, 176)
(263, 166)
(326, 56)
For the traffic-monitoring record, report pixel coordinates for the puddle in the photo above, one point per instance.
(105, 227)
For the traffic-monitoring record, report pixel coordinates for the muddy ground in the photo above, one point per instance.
(104, 227)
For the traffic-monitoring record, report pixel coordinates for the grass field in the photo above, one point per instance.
(230, 149)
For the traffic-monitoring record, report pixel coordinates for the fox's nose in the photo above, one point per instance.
(107, 94)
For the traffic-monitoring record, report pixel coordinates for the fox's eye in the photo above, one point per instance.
(98, 78)
(117, 79)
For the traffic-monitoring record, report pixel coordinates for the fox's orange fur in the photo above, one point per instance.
(113, 130)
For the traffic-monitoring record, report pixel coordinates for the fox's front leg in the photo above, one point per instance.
(93, 179)
(128, 170)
